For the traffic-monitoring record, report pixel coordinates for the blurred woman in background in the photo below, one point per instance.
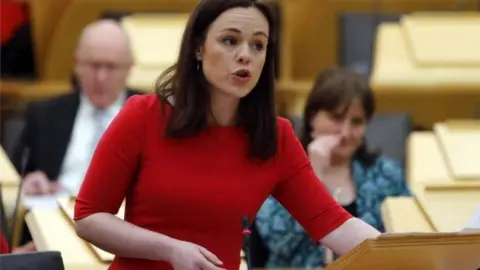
(336, 116)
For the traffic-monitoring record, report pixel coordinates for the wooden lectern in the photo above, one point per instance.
(422, 251)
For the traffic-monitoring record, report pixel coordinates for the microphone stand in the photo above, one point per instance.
(23, 169)
(3, 216)
(246, 241)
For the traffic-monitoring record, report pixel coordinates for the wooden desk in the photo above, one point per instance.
(425, 166)
(9, 180)
(9, 183)
(431, 94)
(425, 163)
(460, 48)
(148, 33)
(33, 90)
(291, 96)
(8, 173)
(302, 56)
(51, 231)
(403, 215)
(18, 93)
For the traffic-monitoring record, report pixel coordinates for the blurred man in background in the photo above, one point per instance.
(61, 133)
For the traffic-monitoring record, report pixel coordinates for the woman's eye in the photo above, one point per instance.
(258, 46)
(229, 41)
(357, 122)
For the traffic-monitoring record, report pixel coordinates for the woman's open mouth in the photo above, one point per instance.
(242, 76)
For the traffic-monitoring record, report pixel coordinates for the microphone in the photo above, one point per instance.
(23, 168)
(246, 241)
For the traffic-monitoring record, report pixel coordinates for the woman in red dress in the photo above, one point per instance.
(204, 152)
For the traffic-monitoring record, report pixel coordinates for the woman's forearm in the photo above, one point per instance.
(124, 239)
(349, 235)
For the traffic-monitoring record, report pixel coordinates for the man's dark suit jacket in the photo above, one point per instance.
(45, 138)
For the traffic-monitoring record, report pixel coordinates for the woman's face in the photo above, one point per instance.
(234, 51)
(350, 125)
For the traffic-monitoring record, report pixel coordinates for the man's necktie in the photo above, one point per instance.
(100, 123)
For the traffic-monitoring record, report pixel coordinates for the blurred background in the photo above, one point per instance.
(421, 57)
(38, 41)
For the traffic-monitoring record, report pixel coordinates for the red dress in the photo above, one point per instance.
(198, 189)
(3, 244)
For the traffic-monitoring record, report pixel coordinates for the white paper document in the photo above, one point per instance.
(40, 202)
(475, 220)
(43, 202)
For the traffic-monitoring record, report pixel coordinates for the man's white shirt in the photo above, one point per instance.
(80, 148)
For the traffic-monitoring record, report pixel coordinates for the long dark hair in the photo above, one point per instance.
(190, 90)
(334, 88)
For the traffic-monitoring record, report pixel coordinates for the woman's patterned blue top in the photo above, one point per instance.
(288, 243)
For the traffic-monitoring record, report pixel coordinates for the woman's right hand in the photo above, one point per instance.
(189, 256)
(320, 151)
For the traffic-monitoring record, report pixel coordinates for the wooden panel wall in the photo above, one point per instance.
(310, 36)
(58, 24)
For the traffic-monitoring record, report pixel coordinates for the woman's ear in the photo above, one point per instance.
(199, 54)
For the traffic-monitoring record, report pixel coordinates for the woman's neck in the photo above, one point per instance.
(224, 109)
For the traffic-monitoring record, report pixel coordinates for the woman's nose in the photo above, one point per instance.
(345, 129)
(244, 55)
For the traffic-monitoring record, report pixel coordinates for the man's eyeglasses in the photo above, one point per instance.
(109, 67)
